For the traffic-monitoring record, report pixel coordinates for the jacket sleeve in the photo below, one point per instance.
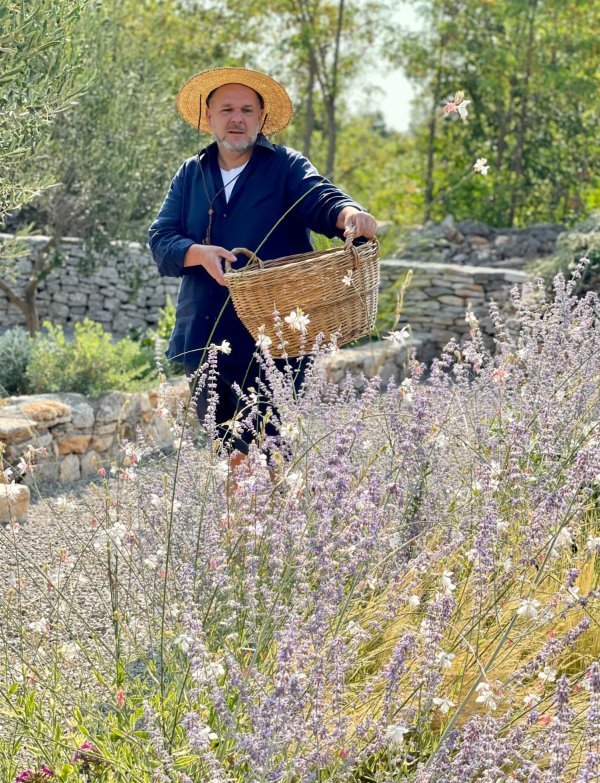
(167, 240)
(317, 201)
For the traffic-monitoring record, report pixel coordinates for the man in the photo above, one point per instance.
(232, 194)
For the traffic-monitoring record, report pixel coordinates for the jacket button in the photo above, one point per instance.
(224, 214)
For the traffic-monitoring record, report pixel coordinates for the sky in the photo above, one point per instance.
(395, 100)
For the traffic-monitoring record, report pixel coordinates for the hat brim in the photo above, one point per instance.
(191, 99)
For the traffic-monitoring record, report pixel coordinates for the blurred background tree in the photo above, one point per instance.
(88, 105)
(530, 70)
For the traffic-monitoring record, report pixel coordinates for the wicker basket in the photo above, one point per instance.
(314, 284)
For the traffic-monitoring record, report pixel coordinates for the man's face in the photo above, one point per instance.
(234, 116)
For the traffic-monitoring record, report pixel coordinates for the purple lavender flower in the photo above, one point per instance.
(35, 776)
(88, 759)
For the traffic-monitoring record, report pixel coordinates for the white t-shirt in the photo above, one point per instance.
(230, 178)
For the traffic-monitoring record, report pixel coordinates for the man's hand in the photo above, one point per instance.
(364, 223)
(209, 256)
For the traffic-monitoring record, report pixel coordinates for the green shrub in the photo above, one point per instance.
(15, 351)
(166, 323)
(90, 363)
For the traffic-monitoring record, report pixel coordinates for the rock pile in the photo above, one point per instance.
(471, 243)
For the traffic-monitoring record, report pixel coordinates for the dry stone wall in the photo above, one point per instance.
(74, 436)
(123, 291)
(439, 295)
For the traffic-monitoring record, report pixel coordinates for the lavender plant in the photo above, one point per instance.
(402, 584)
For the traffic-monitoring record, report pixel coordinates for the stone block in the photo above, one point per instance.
(15, 428)
(83, 415)
(102, 442)
(14, 502)
(105, 429)
(69, 469)
(76, 444)
(59, 311)
(44, 470)
(91, 461)
(110, 407)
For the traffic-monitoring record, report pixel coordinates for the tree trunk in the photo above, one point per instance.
(331, 135)
(25, 303)
(520, 148)
(431, 140)
(310, 108)
(331, 97)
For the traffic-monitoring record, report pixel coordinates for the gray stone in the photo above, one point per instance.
(102, 442)
(91, 461)
(59, 311)
(110, 407)
(83, 415)
(474, 228)
(44, 470)
(452, 300)
(69, 469)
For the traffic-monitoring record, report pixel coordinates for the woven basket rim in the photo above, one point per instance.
(297, 261)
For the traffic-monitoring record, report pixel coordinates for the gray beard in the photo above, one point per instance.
(241, 146)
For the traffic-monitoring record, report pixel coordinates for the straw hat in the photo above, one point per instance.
(278, 106)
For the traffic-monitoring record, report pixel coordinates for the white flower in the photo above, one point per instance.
(395, 734)
(206, 671)
(407, 389)
(12, 490)
(530, 699)
(564, 538)
(507, 564)
(289, 430)
(297, 320)
(574, 592)
(480, 166)
(183, 643)
(263, 340)
(443, 704)
(225, 347)
(447, 583)
(458, 105)
(295, 481)
(462, 109)
(529, 608)
(206, 732)
(347, 279)
(593, 544)
(8, 474)
(547, 675)
(471, 318)
(398, 337)
(445, 659)
(486, 697)
(414, 600)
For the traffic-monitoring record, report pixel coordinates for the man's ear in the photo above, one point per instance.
(207, 115)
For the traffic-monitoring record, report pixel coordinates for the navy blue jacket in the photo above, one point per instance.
(274, 179)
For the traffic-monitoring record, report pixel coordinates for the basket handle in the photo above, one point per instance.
(243, 251)
(349, 245)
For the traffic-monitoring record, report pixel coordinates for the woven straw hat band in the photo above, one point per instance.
(192, 96)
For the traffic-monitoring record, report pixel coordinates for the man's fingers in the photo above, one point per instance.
(226, 254)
